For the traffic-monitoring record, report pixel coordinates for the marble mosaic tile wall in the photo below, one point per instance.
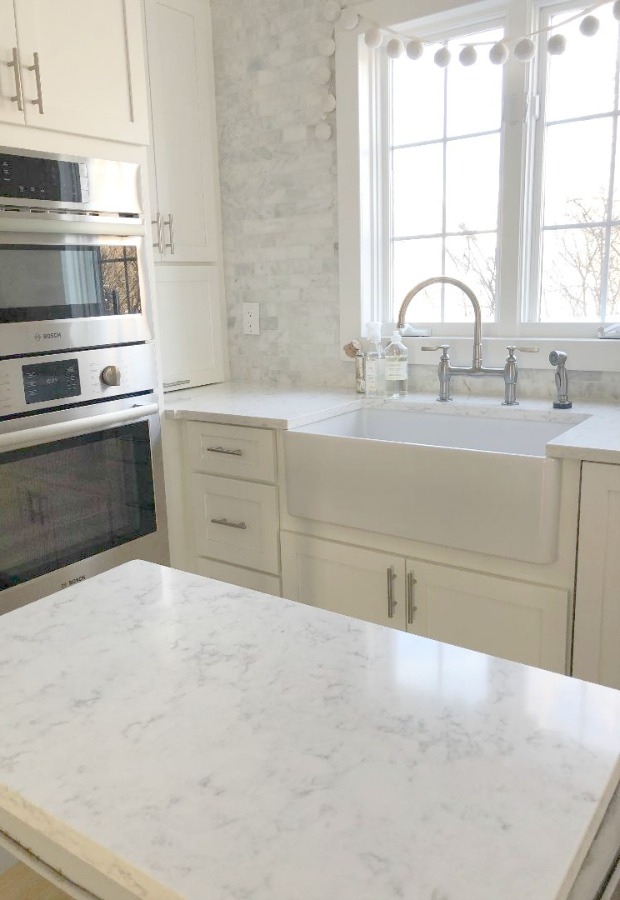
(279, 205)
(278, 183)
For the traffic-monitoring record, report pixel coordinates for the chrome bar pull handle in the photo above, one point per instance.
(392, 604)
(159, 243)
(411, 607)
(225, 450)
(171, 384)
(228, 524)
(36, 68)
(19, 92)
(170, 223)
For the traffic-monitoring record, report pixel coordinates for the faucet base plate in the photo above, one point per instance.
(562, 404)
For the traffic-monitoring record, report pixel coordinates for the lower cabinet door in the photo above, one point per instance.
(361, 583)
(527, 623)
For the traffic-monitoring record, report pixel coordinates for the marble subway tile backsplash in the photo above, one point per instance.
(279, 190)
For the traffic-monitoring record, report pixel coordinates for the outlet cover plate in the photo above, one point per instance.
(251, 318)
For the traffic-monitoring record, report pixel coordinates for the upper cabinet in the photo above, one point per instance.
(184, 192)
(75, 66)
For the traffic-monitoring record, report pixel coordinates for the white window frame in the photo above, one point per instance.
(362, 187)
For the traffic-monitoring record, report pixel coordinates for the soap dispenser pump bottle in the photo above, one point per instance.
(396, 380)
(375, 363)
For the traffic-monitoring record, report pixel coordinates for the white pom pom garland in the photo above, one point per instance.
(394, 48)
(616, 10)
(556, 45)
(323, 131)
(414, 49)
(499, 53)
(327, 47)
(373, 38)
(349, 20)
(442, 57)
(332, 10)
(329, 103)
(589, 26)
(524, 50)
(468, 55)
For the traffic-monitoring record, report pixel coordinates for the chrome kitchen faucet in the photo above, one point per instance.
(509, 371)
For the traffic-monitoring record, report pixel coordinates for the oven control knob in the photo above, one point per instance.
(111, 376)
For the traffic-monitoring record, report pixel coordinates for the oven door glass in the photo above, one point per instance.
(40, 282)
(67, 500)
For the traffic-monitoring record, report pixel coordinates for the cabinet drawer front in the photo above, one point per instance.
(246, 578)
(235, 521)
(231, 450)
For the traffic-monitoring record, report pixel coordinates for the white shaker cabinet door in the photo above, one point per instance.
(596, 649)
(82, 67)
(185, 195)
(189, 313)
(364, 584)
(523, 622)
(10, 95)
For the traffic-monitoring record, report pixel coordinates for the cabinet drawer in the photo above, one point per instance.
(235, 521)
(231, 450)
(246, 578)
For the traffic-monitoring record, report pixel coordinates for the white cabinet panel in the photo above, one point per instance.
(9, 110)
(596, 654)
(344, 579)
(91, 63)
(232, 450)
(184, 139)
(190, 325)
(235, 521)
(515, 620)
(255, 581)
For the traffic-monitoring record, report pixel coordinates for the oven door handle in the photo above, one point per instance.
(44, 434)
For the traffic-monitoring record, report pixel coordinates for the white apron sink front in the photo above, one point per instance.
(470, 482)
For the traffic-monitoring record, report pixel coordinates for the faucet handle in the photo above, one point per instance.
(443, 347)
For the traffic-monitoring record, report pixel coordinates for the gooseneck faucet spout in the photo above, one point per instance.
(446, 370)
(476, 364)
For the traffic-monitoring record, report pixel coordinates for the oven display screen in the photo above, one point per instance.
(51, 381)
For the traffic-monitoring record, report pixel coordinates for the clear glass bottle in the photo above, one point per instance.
(375, 363)
(396, 376)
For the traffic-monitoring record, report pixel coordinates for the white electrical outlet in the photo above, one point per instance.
(251, 318)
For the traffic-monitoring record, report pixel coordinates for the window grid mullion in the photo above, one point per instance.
(610, 197)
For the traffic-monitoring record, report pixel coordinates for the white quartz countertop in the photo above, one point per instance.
(191, 739)
(595, 439)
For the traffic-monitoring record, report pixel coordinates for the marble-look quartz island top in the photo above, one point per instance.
(179, 737)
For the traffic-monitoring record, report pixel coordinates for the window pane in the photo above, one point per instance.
(417, 100)
(472, 185)
(472, 259)
(572, 270)
(414, 261)
(417, 185)
(581, 80)
(577, 168)
(475, 92)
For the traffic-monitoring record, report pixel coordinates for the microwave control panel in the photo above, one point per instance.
(41, 178)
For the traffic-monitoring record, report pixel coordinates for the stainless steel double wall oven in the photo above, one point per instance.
(81, 479)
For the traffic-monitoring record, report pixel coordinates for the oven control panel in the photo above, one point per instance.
(51, 381)
(46, 381)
